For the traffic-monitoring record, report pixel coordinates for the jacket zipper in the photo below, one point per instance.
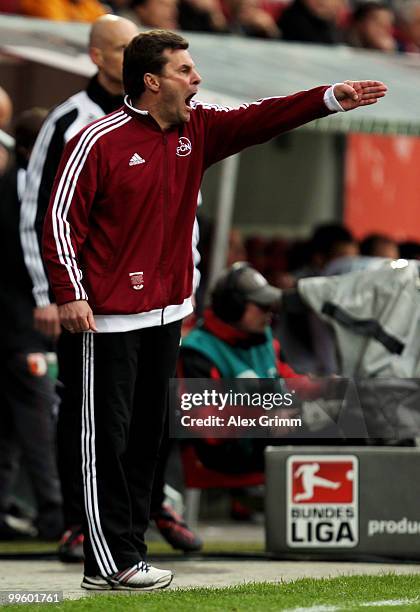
(165, 215)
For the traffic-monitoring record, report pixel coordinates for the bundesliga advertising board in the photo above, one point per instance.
(322, 501)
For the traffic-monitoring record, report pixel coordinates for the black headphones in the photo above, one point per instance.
(227, 300)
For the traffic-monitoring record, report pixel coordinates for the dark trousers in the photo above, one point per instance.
(118, 382)
(27, 430)
(68, 428)
(158, 489)
(69, 352)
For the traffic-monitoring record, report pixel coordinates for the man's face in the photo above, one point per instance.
(109, 57)
(324, 9)
(255, 319)
(414, 26)
(376, 30)
(179, 82)
(6, 108)
(344, 249)
(386, 248)
(162, 14)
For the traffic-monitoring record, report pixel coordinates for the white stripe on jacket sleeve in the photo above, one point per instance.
(65, 192)
(29, 206)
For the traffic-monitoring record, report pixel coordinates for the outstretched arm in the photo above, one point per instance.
(230, 130)
(352, 94)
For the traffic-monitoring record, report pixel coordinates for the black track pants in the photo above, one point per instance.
(27, 428)
(121, 382)
(69, 352)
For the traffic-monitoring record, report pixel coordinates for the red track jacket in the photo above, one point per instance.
(119, 224)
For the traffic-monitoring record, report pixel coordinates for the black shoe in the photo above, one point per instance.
(70, 548)
(175, 530)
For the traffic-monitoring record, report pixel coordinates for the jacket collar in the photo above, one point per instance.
(141, 114)
(132, 110)
(108, 102)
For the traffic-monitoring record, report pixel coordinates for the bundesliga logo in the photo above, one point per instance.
(322, 504)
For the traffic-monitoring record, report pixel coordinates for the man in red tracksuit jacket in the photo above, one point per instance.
(117, 245)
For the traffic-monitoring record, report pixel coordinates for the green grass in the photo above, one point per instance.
(27, 546)
(155, 548)
(161, 548)
(345, 593)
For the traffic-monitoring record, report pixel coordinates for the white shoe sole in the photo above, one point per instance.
(159, 584)
(95, 586)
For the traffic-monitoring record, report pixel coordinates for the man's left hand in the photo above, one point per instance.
(352, 94)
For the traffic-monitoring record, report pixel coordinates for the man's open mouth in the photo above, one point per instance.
(188, 99)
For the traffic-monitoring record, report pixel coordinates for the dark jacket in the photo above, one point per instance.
(64, 122)
(16, 300)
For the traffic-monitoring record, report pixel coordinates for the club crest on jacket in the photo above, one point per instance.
(184, 147)
(136, 279)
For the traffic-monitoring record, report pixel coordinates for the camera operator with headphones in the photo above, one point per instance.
(234, 340)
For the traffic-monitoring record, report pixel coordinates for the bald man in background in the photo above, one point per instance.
(6, 111)
(6, 108)
(104, 94)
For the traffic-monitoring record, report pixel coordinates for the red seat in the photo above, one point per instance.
(199, 477)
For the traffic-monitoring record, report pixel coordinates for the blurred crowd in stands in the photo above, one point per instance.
(284, 261)
(388, 26)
